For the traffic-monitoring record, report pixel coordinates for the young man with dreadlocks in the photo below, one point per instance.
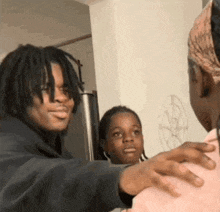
(39, 91)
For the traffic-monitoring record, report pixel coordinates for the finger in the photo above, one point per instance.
(179, 152)
(197, 157)
(191, 155)
(180, 171)
(204, 147)
(212, 139)
(162, 183)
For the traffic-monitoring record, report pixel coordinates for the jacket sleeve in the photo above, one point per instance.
(31, 182)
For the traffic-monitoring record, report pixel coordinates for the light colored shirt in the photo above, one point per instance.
(203, 199)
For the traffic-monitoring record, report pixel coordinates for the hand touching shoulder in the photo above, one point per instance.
(151, 173)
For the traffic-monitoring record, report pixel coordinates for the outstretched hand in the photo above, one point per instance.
(150, 173)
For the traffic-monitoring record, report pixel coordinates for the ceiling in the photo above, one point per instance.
(37, 15)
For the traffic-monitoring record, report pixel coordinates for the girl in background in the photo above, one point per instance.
(121, 138)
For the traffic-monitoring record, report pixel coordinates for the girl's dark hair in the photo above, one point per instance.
(106, 121)
(25, 70)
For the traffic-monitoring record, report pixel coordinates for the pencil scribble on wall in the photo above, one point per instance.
(173, 123)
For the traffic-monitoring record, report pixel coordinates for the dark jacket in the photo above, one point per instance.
(34, 177)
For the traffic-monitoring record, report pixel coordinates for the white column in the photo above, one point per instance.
(105, 48)
(140, 51)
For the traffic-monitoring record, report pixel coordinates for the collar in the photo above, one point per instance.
(27, 139)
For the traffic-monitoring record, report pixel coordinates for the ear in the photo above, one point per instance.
(103, 144)
(205, 84)
(202, 80)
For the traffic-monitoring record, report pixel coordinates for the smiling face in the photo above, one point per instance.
(54, 115)
(124, 142)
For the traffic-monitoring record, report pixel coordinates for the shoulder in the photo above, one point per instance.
(16, 137)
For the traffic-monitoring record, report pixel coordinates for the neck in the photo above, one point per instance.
(53, 139)
(49, 137)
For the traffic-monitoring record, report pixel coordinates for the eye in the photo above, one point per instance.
(137, 132)
(66, 91)
(45, 89)
(117, 135)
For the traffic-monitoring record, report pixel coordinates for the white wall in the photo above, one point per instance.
(141, 61)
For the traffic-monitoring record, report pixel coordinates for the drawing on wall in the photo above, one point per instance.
(173, 123)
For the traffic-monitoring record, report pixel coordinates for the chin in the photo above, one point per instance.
(59, 128)
(129, 161)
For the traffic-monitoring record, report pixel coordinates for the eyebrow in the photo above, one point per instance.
(134, 125)
(114, 128)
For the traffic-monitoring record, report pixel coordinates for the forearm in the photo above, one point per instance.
(58, 184)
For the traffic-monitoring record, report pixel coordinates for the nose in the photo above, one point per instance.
(60, 96)
(128, 137)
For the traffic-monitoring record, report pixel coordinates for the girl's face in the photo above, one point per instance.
(124, 140)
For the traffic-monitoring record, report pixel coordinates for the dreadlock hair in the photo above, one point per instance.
(25, 70)
(104, 127)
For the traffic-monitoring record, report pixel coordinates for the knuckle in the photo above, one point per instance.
(183, 152)
(200, 146)
(206, 147)
(190, 177)
(182, 169)
(203, 144)
(172, 167)
(166, 185)
(156, 180)
(160, 157)
(191, 153)
(205, 158)
(186, 144)
(177, 169)
(197, 157)
(176, 151)
(145, 169)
